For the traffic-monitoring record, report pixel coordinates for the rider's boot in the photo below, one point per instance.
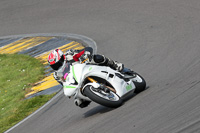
(127, 71)
(115, 65)
(81, 103)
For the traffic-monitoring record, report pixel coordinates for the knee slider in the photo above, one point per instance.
(99, 58)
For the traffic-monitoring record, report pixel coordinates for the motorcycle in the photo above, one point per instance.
(101, 84)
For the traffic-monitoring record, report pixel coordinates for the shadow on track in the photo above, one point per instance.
(97, 110)
(102, 109)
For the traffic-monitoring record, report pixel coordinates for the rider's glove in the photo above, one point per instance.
(85, 56)
(89, 55)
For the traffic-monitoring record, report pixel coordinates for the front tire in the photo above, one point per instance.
(108, 99)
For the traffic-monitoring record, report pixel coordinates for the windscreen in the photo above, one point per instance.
(64, 71)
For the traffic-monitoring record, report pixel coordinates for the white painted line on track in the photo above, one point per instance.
(57, 95)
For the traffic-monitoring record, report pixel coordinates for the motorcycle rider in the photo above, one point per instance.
(57, 58)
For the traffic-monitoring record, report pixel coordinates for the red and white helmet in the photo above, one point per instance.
(56, 59)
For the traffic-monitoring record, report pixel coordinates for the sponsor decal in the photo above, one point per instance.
(129, 87)
(90, 68)
(69, 87)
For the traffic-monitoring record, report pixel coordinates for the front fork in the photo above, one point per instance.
(104, 86)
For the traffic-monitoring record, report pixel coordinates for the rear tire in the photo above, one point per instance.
(140, 83)
(97, 97)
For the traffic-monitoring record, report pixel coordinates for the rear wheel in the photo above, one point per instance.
(100, 96)
(139, 82)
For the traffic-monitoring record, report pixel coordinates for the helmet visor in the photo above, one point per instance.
(58, 64)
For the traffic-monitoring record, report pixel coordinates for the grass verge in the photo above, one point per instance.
(17, 73)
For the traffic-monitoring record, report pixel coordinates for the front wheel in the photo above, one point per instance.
(139, 82)
(108, 99)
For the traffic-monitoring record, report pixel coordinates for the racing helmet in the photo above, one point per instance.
(56, 59)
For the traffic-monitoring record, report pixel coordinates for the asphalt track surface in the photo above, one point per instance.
(160, 39)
